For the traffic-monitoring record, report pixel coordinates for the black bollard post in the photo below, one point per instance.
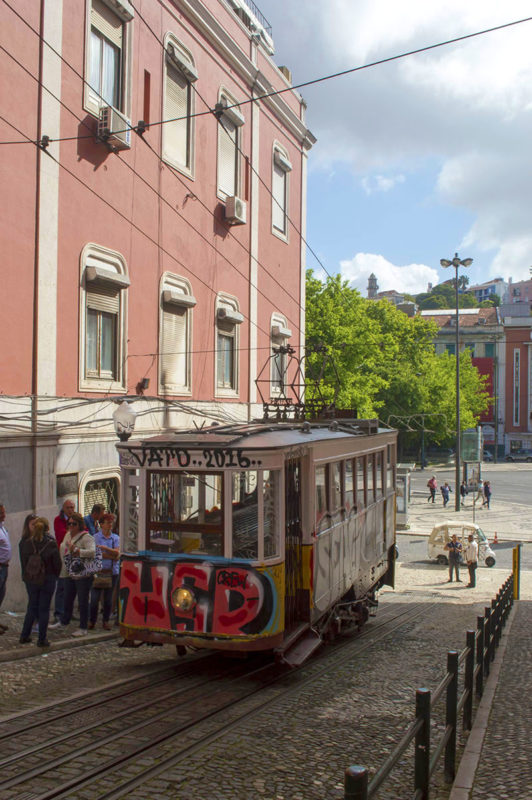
(480, 656)
(451, 716)
(356, 783)
(422, 747)
(468, 680)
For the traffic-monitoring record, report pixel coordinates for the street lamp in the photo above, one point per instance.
(124, 420)
(456, 262)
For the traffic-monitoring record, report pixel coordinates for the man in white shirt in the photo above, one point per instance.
(471, 557)
(5, 557)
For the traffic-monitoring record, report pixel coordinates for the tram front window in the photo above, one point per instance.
(245, 510)
(185, 513)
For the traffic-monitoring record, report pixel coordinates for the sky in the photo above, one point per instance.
(422, 157)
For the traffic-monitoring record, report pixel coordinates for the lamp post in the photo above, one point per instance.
(456, 262)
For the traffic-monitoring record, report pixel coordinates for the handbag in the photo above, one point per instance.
(80, 567)
(103, 579)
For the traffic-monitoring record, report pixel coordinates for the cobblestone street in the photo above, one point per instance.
(296, 748)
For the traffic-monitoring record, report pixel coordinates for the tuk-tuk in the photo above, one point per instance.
(442, 533)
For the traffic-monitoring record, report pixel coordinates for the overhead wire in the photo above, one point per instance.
(321, 79)
(150, 187)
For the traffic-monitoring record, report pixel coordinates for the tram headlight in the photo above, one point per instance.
(183, 598)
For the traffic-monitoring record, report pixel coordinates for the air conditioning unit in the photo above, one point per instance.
(114, 129)
(236, 210)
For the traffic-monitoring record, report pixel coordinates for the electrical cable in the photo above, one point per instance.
(312, 82)
(158, 195)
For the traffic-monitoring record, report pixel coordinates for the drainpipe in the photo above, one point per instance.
(35, 342)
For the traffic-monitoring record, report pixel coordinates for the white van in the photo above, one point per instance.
(442, 533)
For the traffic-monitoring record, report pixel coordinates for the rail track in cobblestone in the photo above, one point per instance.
(160, 728)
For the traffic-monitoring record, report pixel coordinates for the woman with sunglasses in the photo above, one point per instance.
(77, 542)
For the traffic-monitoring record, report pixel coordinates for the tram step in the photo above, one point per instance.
(298, 646)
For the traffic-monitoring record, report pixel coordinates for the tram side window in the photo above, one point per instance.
(270, 491)
(321, 493)
(370, 478)
(390, 459)
(361, 482)
(349, 490)
(336, 500)
(245, 513)
(378, 474)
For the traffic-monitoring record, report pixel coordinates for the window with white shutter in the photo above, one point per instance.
(177, 303)
(280, 335)
(228, 321)
(178, 130)
(104, 284)
(107, 39)
(280, 172)
(229, 124)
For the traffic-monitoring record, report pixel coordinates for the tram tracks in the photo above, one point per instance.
(150, 746)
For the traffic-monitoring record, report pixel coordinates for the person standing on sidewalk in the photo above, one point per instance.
(5, 558)
(471, 557)
(454, 550)
(445, 490)
(40, 587)
(60, 530)
(463, 493)
(432, 483)
(105, 581)
(77, 542)
(487, 494)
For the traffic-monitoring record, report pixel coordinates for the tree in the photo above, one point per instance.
(385, 362)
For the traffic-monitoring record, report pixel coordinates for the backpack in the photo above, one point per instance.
(35, 571)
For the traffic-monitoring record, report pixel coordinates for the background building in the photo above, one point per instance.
(151, 233)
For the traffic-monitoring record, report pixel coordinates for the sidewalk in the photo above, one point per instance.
(497, 762)
(511, 521)
(60, 639)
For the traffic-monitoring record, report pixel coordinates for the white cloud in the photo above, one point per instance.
(467, 106)
(410, 278)
(380, 183)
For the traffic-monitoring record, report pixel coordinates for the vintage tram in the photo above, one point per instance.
(258, 536)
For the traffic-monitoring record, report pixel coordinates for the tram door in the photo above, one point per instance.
(293, 544)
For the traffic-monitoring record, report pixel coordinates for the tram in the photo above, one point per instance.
(257, 536)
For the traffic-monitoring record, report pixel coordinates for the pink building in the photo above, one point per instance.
(154, 213)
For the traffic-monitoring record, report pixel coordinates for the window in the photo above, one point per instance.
(280, 335)
(102, 319)
(451, 349)
(349, 490)
(336, 487)
(516, 387)
(228, 320)
(281, 169)
(180, 73)
(370, 479)
(106, 71)
(177, 303)
(230, 120)
(489, 350)
(321, 493)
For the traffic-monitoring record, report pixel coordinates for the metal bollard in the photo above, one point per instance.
(422, 745)
(356, 783)
(480, 656)
(468, 680)
(451, 716)
(487, 614)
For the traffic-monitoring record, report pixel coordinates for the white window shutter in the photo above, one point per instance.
(104, 298)
(176, 134)
(109, 24)
(279, 198)
(227, 156)
(174, 347)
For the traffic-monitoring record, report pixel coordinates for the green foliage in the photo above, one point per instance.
(444, 296)
(491, 302)
(385, 363)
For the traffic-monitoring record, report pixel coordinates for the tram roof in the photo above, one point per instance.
(262, 435)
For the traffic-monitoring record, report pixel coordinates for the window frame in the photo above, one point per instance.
(180, 59)
(231, 304)
(281, 160)
(236, 118)
(92, 101)
(110, 263)
(176, 285)
(279, 336)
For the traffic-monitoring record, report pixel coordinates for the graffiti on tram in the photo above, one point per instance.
(230, 599)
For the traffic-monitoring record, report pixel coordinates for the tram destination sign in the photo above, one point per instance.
(182, 458)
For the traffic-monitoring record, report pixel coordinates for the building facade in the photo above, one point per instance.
(155, 183)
